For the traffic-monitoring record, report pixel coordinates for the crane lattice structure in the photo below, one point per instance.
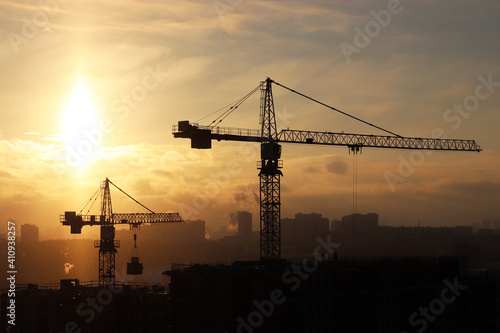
(270, 163)
(107, 220)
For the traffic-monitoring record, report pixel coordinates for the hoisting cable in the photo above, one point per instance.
(354, 202)
(134, 267)
(131, 197)
(335, 109)
(135, 249)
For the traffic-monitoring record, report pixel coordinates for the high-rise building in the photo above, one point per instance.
(362, 222)
(244, 225)
(496, 224)
(195, 231)
(29, 233)
(485, 224)
(304, 229)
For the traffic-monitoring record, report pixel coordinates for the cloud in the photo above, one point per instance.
(338, 166)
(5, 174)
(240, 196)
(233, 219)
(310, 169)
(404, 80)
(483, 188)
(248, 199)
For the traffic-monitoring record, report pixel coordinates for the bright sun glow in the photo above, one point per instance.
(79, 125)
(80, 113)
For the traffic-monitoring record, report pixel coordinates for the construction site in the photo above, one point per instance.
(230, 166)
(320, 278)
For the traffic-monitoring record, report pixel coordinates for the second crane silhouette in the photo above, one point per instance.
(107, 220)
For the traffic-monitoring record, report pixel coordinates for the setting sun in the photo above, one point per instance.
(78, 124)
(79, 112)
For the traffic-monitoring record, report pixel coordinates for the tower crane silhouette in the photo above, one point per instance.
(270, 164)
(107, 220)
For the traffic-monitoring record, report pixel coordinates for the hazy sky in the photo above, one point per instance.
(91, 89)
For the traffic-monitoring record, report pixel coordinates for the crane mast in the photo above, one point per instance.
(269, 176)
(107, 244)
(270, 163)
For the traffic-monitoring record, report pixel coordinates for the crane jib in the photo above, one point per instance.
(376, 141)
(202, 136)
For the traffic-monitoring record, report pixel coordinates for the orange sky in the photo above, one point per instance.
(91, 90)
